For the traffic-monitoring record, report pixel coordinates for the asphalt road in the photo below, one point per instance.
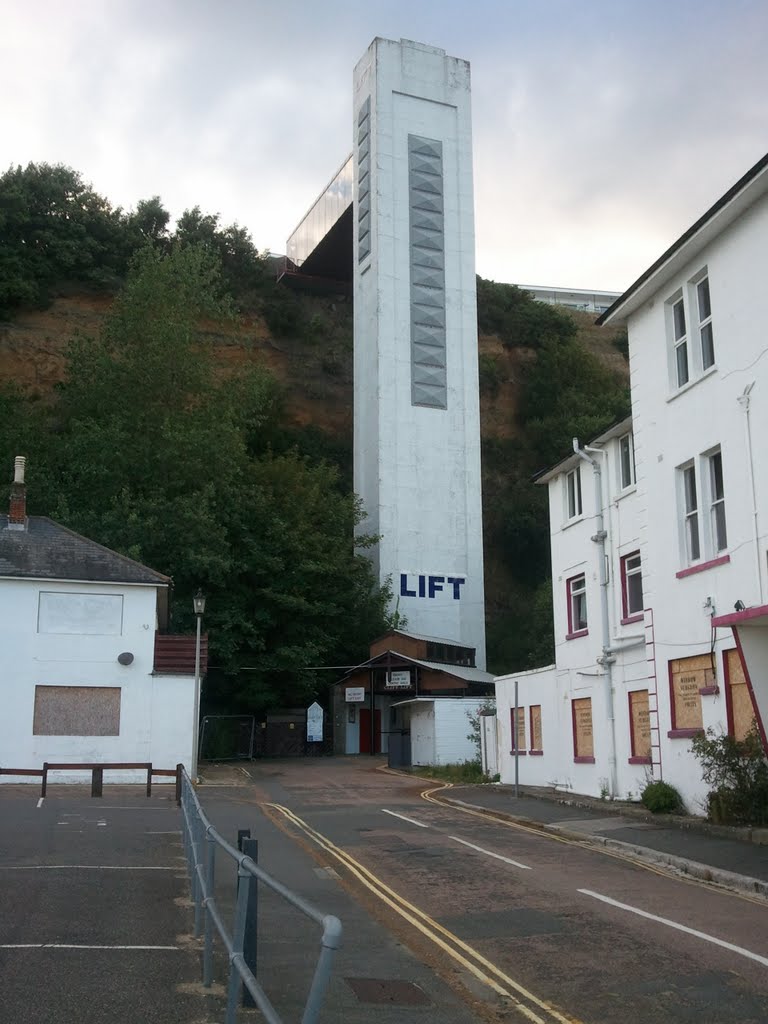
(538, 927)
(94, 914)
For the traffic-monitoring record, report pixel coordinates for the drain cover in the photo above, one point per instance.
(383, 991)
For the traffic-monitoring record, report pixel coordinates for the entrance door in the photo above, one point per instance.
(365, 731)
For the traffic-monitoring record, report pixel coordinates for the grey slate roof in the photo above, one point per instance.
(47, 550)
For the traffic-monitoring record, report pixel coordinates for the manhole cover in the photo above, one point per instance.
(392, 993)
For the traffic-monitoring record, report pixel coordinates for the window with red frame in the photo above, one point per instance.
(631, 586)
(576, 588)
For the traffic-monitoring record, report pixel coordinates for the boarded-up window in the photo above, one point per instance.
(741, 714)
(583, 743)
(80, 614)
(688, 676)
(520, 728)
(536, 741)
(640, 723)
(77, 711)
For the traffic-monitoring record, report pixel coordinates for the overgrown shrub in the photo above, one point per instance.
(661, 798)
(737, 771)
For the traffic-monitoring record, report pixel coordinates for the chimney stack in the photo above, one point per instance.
(17, 514)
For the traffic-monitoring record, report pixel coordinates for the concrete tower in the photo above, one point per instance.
(417, 419)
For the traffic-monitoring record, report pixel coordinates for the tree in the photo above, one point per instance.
(55, 228)
(157, 456)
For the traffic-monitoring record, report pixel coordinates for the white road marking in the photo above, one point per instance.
(84, 867)
(63, 945)
(403, 818)
(174, 832)
(40, 801)
(246, 773)
(679, 927)
(489, 853)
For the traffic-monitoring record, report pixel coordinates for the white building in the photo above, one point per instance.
(86, 676)
(416, 415)
(572, 298)
(661, 622)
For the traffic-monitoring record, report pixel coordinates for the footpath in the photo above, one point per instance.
(734, 858)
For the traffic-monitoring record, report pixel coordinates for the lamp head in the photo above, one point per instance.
(198, 602)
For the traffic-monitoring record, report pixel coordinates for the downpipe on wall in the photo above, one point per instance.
(607, 660)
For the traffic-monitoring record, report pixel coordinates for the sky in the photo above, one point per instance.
(602, 130)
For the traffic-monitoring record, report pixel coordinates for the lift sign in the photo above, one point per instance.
(429, 586)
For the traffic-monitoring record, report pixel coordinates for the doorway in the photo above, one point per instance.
(365, 731)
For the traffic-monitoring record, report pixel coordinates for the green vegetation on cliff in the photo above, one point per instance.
(150, 448)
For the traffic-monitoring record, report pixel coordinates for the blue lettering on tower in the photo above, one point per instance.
(430, 586)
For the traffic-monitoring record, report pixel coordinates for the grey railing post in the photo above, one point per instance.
(331, 941)
(250, 848)
(97, 781)
(210, 880)
(199, 830)
(238, 934)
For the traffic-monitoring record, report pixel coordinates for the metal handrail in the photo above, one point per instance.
(201, 840)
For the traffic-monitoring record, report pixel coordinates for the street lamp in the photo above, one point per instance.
(198, 603)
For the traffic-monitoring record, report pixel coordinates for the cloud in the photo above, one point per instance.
(601, 130)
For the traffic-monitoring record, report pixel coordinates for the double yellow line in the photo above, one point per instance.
(536, 1010)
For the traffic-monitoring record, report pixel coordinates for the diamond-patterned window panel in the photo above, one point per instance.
(427, 266)
(364, 181)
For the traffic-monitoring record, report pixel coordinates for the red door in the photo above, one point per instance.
(365, 731)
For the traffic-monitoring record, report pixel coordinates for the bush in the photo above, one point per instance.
(661, 798)
(737, 771)
(467, 771)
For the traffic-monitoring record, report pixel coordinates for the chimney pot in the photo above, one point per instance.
(17, 512)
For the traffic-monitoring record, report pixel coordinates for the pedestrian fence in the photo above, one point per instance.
(202, 844)
(97, 773)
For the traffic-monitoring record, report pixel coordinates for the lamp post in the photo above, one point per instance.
(198, 603)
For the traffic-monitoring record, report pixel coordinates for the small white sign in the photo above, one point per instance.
(399, 680)
(355, 694)
(314, 723)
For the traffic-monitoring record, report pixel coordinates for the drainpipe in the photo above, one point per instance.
(743, 401)
(607, 658)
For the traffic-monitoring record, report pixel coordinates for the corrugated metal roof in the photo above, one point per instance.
(47, 550)
(465, 672)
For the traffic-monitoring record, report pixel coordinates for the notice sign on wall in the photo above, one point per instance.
(582, 727)
(354, 694)
(640, 723)
(400, 680)
(688, 676)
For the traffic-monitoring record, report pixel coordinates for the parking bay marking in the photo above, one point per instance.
(489, 853)
(679, 927)
(64, 945)
(412, 821)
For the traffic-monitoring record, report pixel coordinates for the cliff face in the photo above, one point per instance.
(315, 370)
(314, 366)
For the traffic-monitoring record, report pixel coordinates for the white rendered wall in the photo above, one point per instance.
(417, 468)
(454, 742)
(670, 428)
(674, 427)
(155, 711)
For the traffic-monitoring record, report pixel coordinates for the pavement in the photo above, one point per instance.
(682, 845)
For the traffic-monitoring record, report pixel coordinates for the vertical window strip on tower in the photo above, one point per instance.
(364, 181)
(427, 265)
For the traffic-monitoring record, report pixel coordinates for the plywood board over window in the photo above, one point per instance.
(640, 723)
(77, 711)
(583, 741)
(520, 728)
(536, 740)
(741, 713)
(687, 677)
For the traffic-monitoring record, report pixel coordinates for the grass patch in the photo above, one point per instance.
(467, 771)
